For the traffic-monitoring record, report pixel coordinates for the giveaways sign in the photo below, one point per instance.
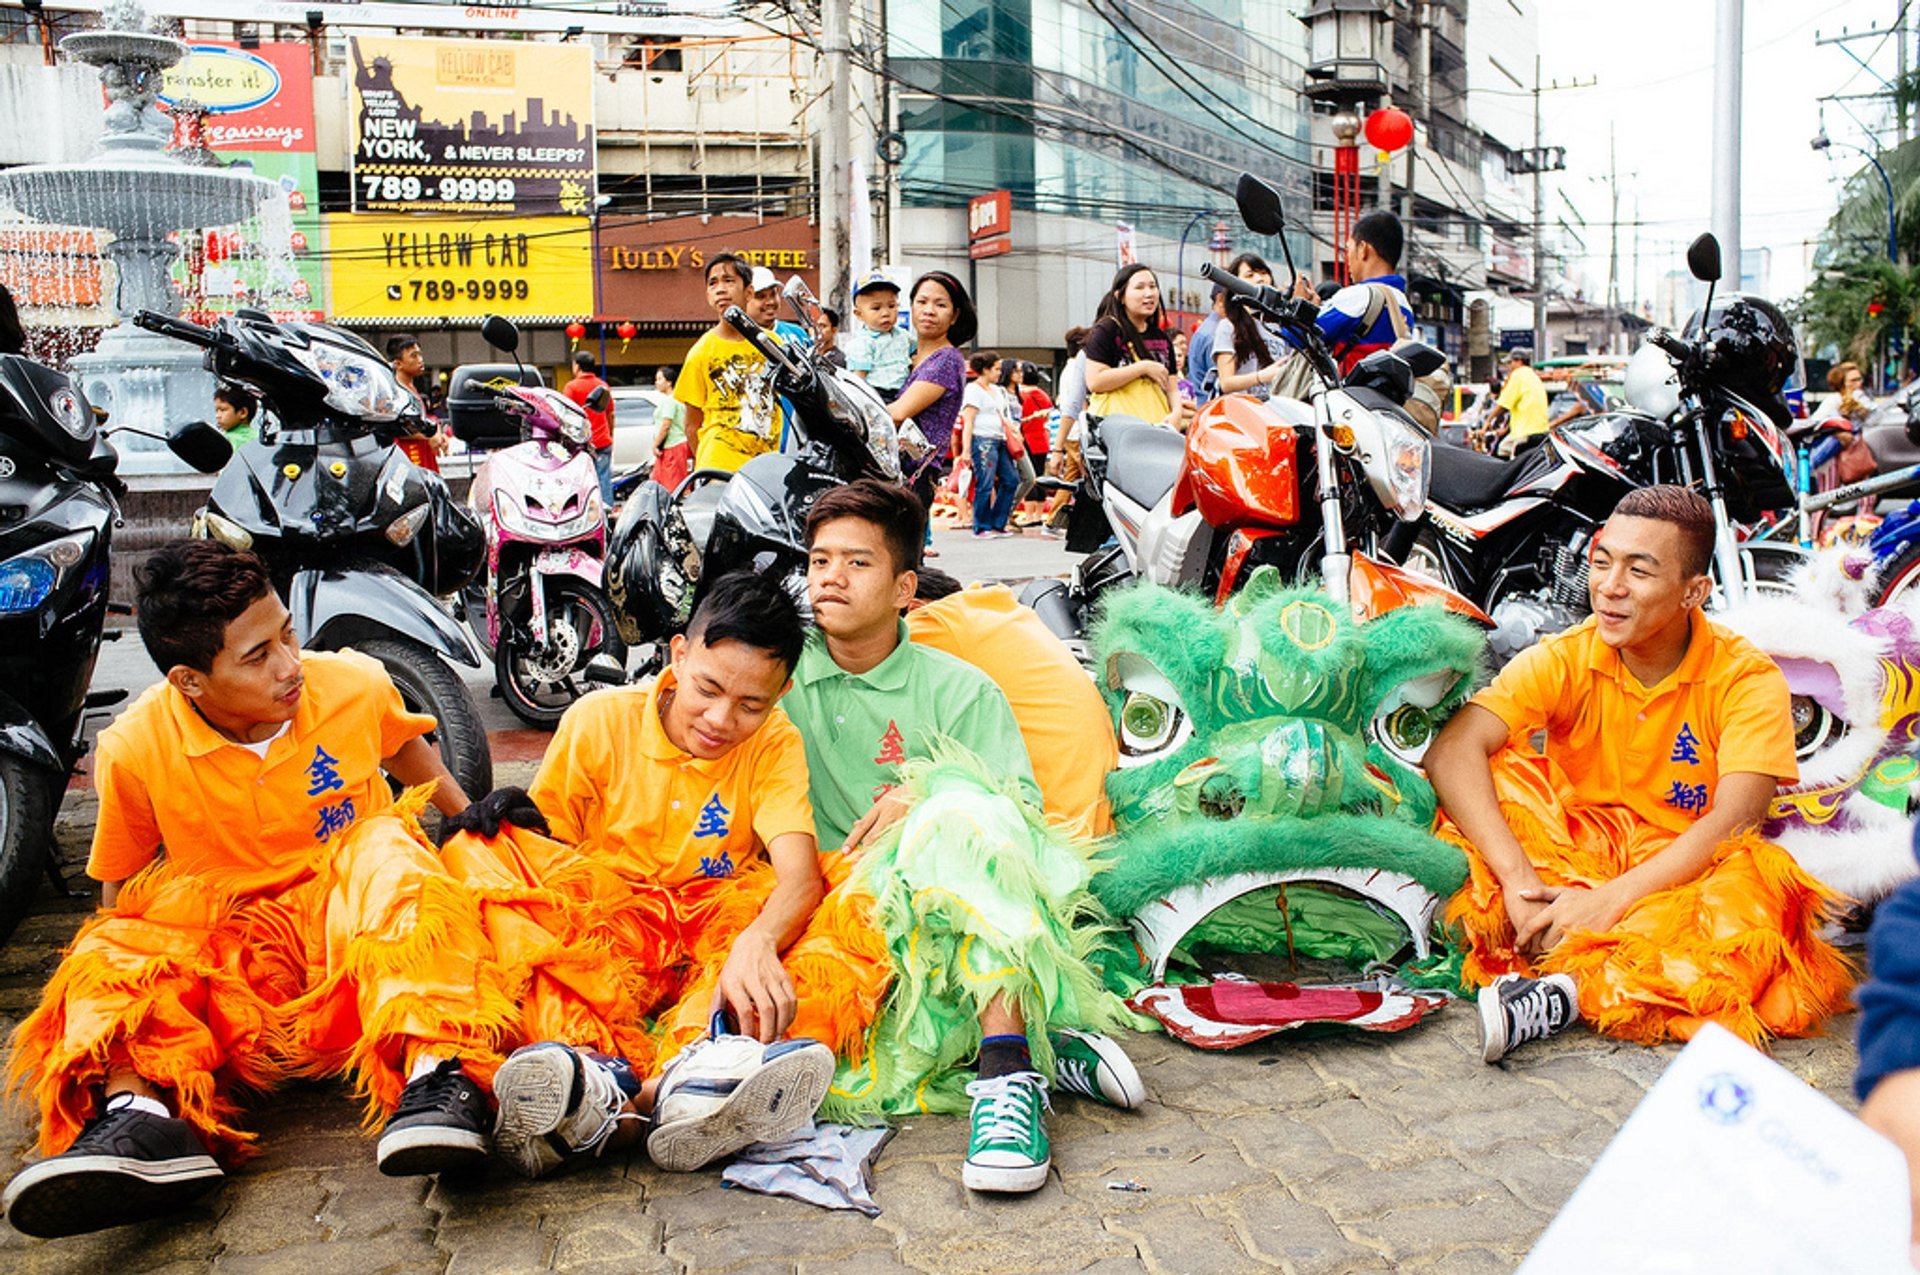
(258, 106)
(472, 126)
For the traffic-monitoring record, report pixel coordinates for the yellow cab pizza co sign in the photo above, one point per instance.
(416, 270)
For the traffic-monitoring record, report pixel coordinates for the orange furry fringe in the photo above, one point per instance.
(1738, 945)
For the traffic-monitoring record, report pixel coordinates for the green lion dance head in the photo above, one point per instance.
(1271, 748)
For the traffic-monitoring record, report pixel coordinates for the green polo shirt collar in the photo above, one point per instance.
(890, 674)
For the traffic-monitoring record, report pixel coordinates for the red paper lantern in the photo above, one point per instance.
(1389, 129)
(576, 330)
(1875, 309)
(628, 330)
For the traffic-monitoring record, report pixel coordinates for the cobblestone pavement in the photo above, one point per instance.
(1347, 1153)
(1343, 1154)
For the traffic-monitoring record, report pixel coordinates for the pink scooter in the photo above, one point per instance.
(546, 612)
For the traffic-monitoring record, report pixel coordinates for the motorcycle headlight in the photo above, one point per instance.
(357, 385)
(521, 523)
(1399, 466)
(29, 579)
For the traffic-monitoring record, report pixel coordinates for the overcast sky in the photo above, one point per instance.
(1653, 60)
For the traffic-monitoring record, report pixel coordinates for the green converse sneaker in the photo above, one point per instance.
(1094, 1066)
(1008, 1150)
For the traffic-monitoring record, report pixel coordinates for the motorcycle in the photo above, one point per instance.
(358, 539)
(1303, 486)
(58, 486)
(669, 546)
(542, 610)
(1514, 535)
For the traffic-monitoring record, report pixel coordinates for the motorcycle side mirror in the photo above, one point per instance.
(1703, 259)
(1423, 359)
(201, 446)
(1259, 205)
(598, 400)
(500, 333)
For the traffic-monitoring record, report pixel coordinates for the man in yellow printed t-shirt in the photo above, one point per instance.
(733, 413)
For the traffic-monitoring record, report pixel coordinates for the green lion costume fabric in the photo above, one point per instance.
(1269, 755)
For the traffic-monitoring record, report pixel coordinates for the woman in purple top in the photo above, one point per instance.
(943, 320)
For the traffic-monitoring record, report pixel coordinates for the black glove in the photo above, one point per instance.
(502, 805)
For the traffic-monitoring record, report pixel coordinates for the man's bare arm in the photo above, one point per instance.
(418, 762)
(752, 982)
(1457, 764)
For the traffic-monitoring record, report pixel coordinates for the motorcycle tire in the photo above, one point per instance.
(509, 658)
(428, 684)
(26, 837)
(1899, 576)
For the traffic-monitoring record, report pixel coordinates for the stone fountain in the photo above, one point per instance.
(137, 189)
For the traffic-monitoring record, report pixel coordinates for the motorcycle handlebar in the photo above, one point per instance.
(178, 329)
(1286, 308)
(1678, 347)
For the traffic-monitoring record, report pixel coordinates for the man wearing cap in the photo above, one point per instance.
(1520, 412)
(877, 347)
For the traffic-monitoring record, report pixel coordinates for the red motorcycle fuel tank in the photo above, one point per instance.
(1241, 467)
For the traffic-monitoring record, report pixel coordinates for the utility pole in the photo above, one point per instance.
(1421, 92)
(836, 148)
(1727, 53)
(1613, 222)
(1539, 238)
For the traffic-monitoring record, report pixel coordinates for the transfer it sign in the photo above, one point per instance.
(990, 224)
(423, 271)
(472, 126)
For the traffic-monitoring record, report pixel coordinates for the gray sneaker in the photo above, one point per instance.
(1515, 1010)
(724, 1092)
(556, 1105)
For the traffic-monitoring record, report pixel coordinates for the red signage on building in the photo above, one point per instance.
(990, 224)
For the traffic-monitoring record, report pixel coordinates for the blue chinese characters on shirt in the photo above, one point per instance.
(713, 823)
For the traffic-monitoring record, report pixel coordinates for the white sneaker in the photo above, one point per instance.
(1515, 1010)
(724, 1092)
(555, 1103)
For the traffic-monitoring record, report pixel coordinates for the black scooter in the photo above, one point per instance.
(669, 546)
(59, 503)
(358, 538)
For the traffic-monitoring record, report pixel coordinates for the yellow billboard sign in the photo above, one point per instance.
(405, 270)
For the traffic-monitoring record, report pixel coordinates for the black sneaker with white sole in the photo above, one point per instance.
(1515, 1009)
(127, 1166)
(440, 1126)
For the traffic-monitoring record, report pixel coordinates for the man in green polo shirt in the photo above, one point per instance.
(918, 774)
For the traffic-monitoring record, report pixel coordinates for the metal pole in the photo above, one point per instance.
(836, 147)
(1539, 218)
(1180, 258)
(1727, 53)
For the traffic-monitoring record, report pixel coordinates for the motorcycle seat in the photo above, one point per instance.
(1467, 481)
(1142, 459)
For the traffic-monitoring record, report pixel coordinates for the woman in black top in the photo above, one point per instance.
(1128, 344)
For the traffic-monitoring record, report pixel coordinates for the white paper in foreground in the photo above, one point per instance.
(1731, 1164)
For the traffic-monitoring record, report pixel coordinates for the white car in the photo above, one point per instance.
(634, 424)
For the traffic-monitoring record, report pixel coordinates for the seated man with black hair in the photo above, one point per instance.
(267, 911)
(689, 798)
(1620, 876)
(955, 943)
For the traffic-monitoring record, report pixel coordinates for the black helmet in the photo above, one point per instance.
(1750, 349)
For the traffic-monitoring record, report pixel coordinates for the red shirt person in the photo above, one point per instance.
(600, 423)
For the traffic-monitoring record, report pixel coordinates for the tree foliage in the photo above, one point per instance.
(1852, 271)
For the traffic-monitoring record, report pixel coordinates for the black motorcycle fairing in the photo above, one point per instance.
(648, 567)
(769, 499)
(47, 654)
(334, 607)
(46, 411)
(1142, 459)
(22, 735)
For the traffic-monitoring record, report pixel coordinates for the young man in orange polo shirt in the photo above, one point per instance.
(692, 794)
(1619, 877)
(262, 917)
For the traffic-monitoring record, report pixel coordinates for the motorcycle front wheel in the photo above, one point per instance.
(428, 684)
(26, 837)
(539, 686)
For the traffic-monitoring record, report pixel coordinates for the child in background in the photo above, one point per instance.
(876, 346)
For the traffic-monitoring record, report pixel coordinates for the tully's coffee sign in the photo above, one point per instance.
(656, 271)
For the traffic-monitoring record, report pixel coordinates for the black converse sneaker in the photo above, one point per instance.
(1515, 1010)
(127, 1166)
(440, 1125)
